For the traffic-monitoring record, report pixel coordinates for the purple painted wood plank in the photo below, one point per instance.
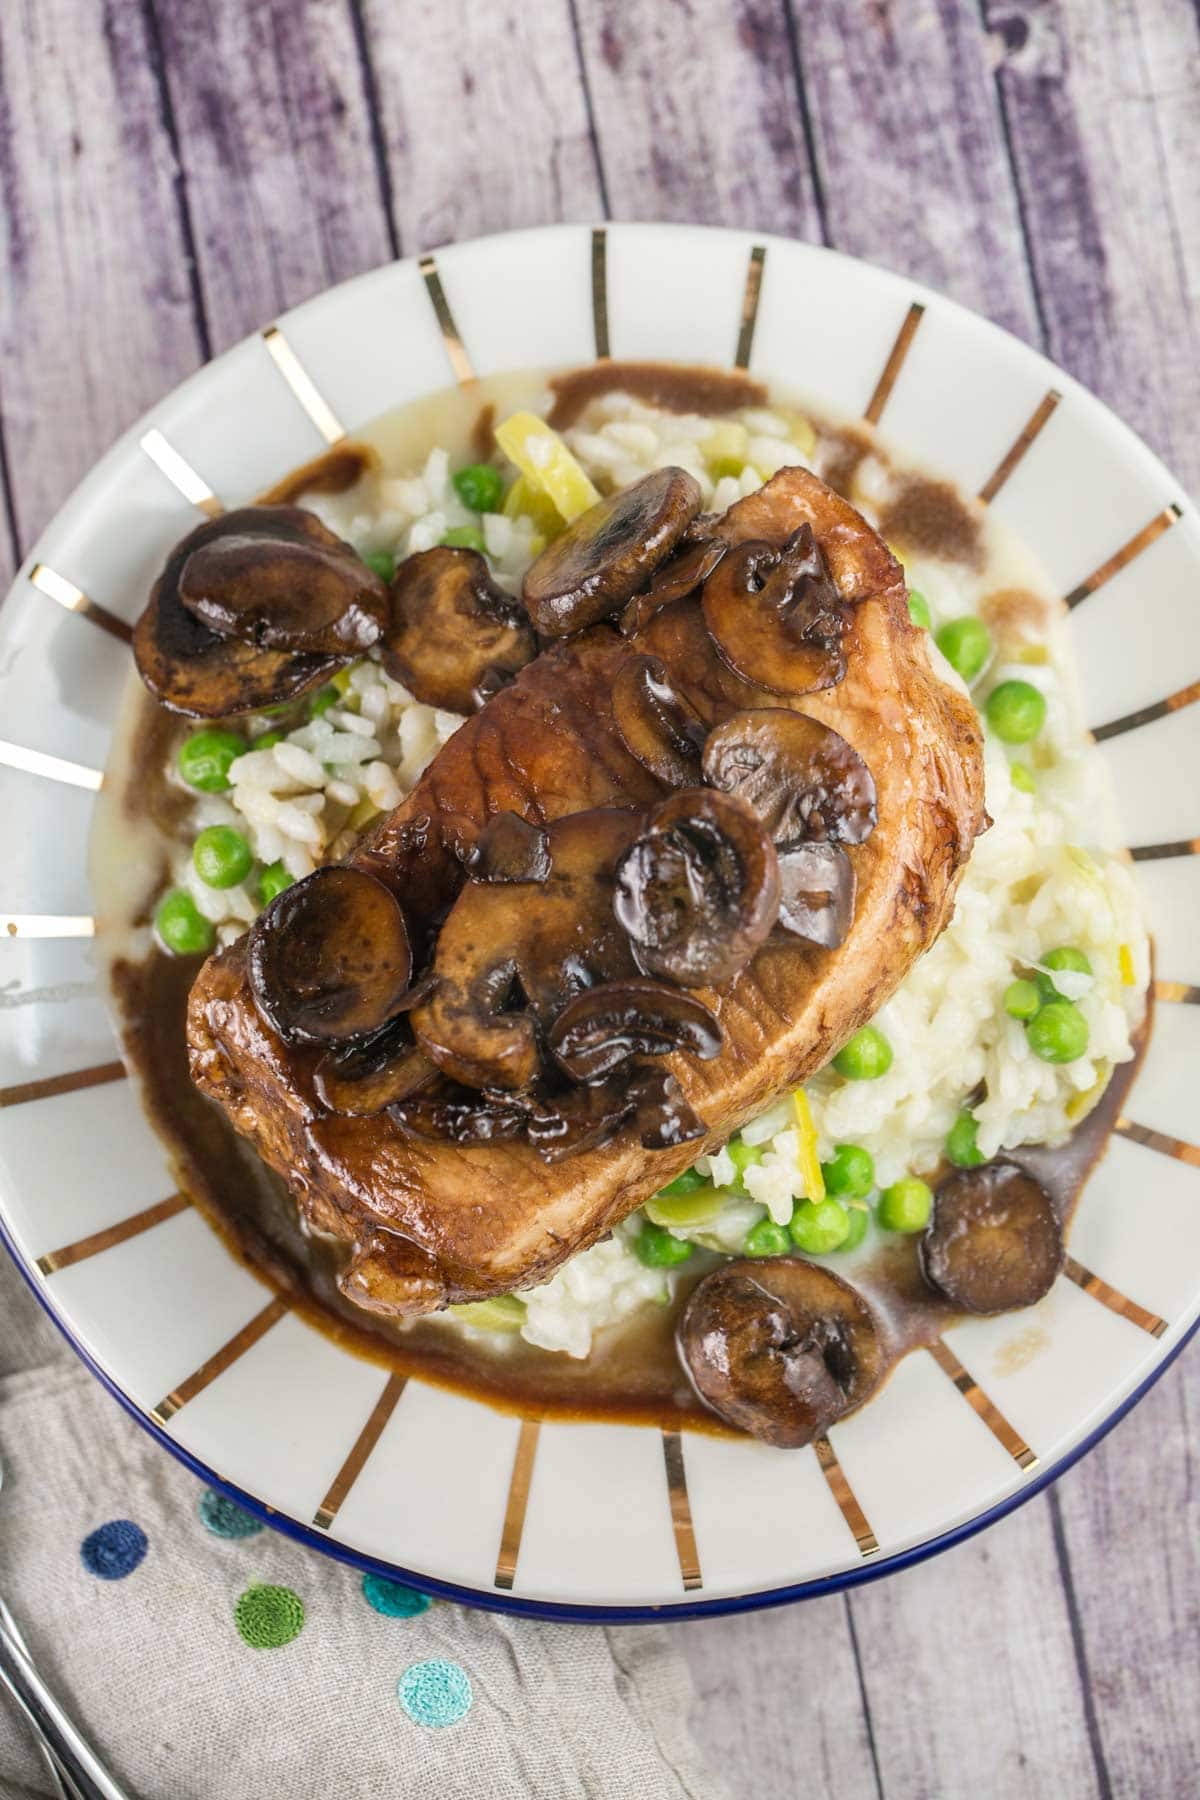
(698, 113)
(483, 116)
(909, 145)
(276, 150)
(96, 315)
(1105, 133)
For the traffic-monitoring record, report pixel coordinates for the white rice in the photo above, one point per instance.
(1042, 877)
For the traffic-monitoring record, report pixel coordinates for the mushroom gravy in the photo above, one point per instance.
(633, 1372)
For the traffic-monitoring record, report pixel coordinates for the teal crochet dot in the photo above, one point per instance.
(436, 1692)
(393, 1600)
(225, 1518)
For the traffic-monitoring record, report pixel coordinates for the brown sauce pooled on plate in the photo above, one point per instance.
(932, 519)
(670, 385)
(633, 1374)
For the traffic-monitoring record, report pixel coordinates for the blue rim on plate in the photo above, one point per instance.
(598, 1615)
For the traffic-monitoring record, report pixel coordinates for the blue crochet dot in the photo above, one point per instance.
(113, 1550)
(393, 1600)
(436, 1692)
(225, 1518)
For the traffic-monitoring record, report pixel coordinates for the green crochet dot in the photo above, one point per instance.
(436, 1692)
(393, 1600)
(267, 1617)
(225, 1518)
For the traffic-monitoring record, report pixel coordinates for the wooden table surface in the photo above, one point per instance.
(177, 172)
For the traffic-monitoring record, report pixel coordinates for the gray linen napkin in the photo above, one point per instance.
(156, 1666)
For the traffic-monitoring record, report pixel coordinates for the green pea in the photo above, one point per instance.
(1068, 956)
(480, 487)
(321, 702)
(859, 1218)
(850, 1171)
(267, 741)
(383, 564)
(687, 1183)
(272, 881)
(743, 1156)
(657, 1249)
(906, 1205)
(918, 610)
(181, 926)
(1016, 711)
(466, 537)
(819, 1226)
(1059, 1033)
(766, 1239)
(1022, 778)
(865, 1056)
(206, 757)
(961, 1146)
(222, 857)
(966, 645)
(1022, 999)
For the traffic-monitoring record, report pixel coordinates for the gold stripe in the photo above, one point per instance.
(750, 298)
(1159, 852)
(1008, 462)
(1113, 1298)
(180, 473)
(1179, 993)
(600, 292)
(681, 1513)
(842, 1492)
(57, 587)
(460, 362)
(1146, 715)
(107, 1239)
(54, 768)
(518, 1500)
(303, 386)
(220, 1360)
(975, 1398)
(1141, 540)
(1159, 1140)
(363, 1445)
(51, 1086)
(47, 925)
(894, 363)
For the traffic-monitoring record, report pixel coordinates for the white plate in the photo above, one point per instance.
(593, 1520)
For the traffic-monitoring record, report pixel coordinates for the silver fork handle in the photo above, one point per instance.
(64, 1788)
(71, 1749)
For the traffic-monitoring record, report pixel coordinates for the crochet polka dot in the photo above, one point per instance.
(393, 1600)
(225, 1518)
(435, 1693)
(113, 1550)
(267, 1617)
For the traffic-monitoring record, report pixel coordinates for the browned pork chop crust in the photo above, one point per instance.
(429, 1223)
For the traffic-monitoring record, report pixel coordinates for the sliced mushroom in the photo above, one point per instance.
(578, 1119)
(606, 1025)
(198, 672)
(509, 848)
(277, 579)
(699, 890)
(329, 959)
(994, 1242)
(607, 554)
(776, 616)
(449, 1113)
(801, 777)
(780, 1348)
(362, 1079)
(682, 575)
(452, 630)
(510, 955)
(665, 1118)
(656, 724)
(816, 893)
